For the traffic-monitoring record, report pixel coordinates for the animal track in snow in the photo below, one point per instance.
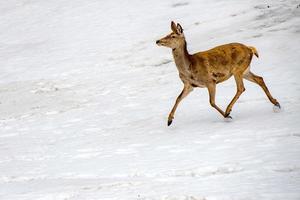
(183, 197)
(180, 4)
(206, 171)
(286, 169)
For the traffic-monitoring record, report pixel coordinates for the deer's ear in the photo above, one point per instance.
(179, 29)
(173, 27)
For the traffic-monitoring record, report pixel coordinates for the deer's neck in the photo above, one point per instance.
(182, 60)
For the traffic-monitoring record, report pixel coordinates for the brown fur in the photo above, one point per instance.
(208, 68)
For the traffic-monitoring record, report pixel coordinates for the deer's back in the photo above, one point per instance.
(221, 62)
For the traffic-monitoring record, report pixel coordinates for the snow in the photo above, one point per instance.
(85, 94)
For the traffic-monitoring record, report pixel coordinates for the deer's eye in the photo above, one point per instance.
(173, 36)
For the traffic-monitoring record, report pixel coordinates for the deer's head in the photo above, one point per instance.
(174, 39)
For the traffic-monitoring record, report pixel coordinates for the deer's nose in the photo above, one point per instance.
(157, 41)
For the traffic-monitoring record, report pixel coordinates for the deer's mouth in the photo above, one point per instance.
(161, 43)
(158, 42)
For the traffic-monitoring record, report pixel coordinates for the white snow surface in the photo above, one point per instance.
(85, 94)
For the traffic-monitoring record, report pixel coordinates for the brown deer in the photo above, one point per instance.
(208, 68)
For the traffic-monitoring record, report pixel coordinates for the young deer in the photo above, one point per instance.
(208, 68)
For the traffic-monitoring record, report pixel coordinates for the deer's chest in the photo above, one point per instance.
(186, 72)
(191, 79)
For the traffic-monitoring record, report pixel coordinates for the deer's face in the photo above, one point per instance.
(174, 39)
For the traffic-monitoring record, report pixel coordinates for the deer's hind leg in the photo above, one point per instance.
(240, 89)
(260, 81)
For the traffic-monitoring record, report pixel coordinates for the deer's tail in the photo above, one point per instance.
(254, 51)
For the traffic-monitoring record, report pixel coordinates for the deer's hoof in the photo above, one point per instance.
(169, 122)
(227, 115)
(228, 119)
(276, 108)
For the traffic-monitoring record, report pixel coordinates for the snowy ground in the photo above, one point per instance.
(85, 94)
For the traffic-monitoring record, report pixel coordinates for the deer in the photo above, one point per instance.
(208, 68)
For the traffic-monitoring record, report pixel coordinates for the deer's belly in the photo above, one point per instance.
(198, 85)
(220, 77)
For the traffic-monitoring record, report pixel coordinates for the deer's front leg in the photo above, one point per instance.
(212, 94)
(186, 90)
